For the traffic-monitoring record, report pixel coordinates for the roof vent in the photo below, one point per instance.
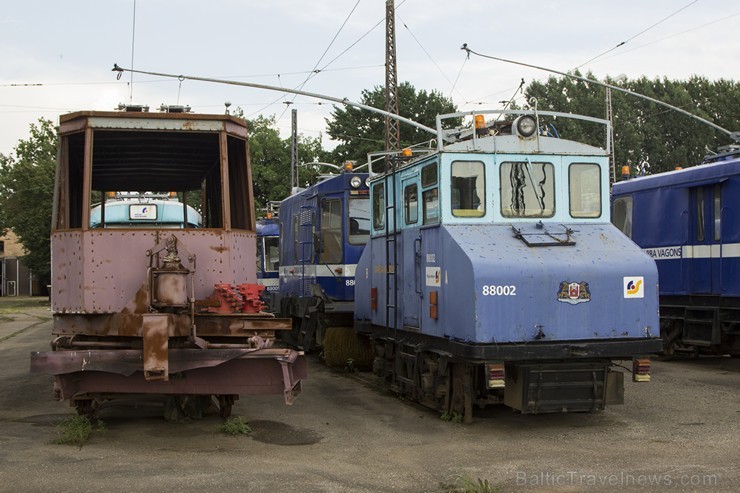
(133, 108)
(174, 108)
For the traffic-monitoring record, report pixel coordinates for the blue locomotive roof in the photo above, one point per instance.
(329, 184)
(694, 176)
(268, 227)
(143, 213)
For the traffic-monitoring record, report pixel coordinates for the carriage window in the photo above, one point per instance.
(411, 204)
(700, 214)
(468, 189)
(359, 220)
(717, 212)
(331, 231)
(271, 253)
(622, 215)
(585, 190)
(296, 244)
(431, 206)
(429, 175)
(378, 206)
(527, 189)
(260, 253)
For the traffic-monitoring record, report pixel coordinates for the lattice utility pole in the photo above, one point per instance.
(392, 129)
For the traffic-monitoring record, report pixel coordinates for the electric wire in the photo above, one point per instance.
(599, 83)
(673, 35)
(313, 70)
(452, 84)
(638, 34)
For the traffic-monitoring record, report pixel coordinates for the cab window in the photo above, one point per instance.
(622, 214)
(468, 189)
(411, 204)
(584, 188)
(527, 189)
(378, 206)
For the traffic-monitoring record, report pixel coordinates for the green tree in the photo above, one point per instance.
(26, 195)
(645, 131)
(270, 159)
(361, 131)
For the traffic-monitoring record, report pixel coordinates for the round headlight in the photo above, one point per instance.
(525, 126)
(367, 182)
(355, 181)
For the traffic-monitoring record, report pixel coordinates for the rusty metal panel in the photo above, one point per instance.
(243, 248)
(66, 271)
(156, 331)
(206, 372)
(101, 271)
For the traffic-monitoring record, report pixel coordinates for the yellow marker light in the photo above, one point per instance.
(496, 375)
(406, 152)
(641, 370)
(111, 195)
(480, 121)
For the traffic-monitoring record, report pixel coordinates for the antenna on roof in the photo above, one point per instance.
(133, 39)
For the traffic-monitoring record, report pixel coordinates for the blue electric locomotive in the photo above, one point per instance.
(324, 229)
(687, 220)
(493, 274)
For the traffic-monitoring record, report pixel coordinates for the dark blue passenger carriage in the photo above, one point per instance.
(493, 274)
(687, 220)
(324, 229)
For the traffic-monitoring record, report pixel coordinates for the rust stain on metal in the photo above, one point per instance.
(156, 362)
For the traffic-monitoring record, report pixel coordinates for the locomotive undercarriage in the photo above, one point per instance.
(694, 325)
(421, 369)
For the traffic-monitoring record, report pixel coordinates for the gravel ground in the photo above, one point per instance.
(676, 433)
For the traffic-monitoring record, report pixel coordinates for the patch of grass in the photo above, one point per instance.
(455, 417)
(10, 305)
(76, 430)
(235, 426)
(465, 484)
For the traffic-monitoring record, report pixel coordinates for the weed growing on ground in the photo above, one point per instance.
(465, 484)
(76, 430)
(455, 417)
(235, 426)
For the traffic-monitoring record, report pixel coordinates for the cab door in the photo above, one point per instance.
(411, 258)
(706, 233)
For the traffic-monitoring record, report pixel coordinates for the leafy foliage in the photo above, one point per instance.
(645, 131)
(26, 192)
(270, 160)
(361, 131)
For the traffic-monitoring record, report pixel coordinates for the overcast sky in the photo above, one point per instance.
(56, 56)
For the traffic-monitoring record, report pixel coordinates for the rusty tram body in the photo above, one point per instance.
(149, 308)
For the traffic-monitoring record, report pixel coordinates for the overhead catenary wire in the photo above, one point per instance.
(313, 70)
(267, 87)
(434, 62)
(638, 34)
(734, 135)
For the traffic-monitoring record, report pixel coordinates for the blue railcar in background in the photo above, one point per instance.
(687, 220)
(143, 210)
(323, 229)
(268, 258)
(493, 274)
